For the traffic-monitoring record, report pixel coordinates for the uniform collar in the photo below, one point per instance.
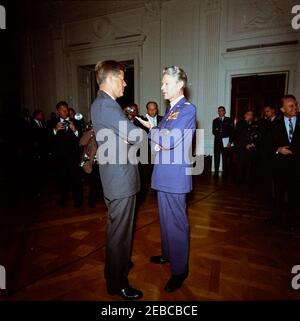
(174, 102)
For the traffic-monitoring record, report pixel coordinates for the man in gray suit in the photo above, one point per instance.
(120, 180)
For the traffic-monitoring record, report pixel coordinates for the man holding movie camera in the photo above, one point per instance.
(65, 136)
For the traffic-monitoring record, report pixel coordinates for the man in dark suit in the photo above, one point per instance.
(152, 113)
(286, 151)
(120, 180)
(264, 148)
(65, 134)
(246, 137)
(222, 129)
(172, 140)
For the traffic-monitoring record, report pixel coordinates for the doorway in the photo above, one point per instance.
(88, 87)
(254, 92)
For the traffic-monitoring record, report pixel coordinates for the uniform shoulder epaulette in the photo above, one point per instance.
(187, 103)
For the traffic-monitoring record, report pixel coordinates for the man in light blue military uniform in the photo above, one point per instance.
(172, 140)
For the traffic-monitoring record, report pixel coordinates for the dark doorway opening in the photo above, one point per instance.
(128, 97)
(254, 92)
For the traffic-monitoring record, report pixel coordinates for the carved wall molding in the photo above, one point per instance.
(265, 14)
(257, 16)
(153, 9)
(102, 28)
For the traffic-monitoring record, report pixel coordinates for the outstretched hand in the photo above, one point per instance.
(145, 123)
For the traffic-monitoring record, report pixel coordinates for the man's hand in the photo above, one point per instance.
(145, 123)
(250, 146)
(59, 126)
(284, 150)
(72, 126)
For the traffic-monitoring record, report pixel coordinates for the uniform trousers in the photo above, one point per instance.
(174, 228)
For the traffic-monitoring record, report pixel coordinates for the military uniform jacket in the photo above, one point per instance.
(172, 161)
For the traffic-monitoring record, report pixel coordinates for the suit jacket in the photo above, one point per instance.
(245, 133)
(287, 164)
(222, 129)
(118, 180)
(172, 177)
(265, 133)
(65, 143)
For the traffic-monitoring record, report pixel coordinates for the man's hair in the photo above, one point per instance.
(151, 102)
(288, 96)
(36, 112)
(104, 68)
(222, 107)
(270, 106)
(177, 73)
(62, 103)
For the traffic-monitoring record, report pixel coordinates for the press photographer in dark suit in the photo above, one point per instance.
(65, 134)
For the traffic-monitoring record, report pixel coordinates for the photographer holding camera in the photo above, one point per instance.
(65, 138)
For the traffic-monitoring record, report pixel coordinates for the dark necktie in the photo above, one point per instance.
(291, 130)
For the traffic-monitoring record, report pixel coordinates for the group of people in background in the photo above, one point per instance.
(67, 147)
(263, 153)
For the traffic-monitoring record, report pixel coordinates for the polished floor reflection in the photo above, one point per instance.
(57, 253)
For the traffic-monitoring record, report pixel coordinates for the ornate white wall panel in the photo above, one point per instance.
(193, 34)
(256, 21)
(180, 40)
(99, 31)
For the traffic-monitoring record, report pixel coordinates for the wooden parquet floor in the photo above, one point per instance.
(57, 253)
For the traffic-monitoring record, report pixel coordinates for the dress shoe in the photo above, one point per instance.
(175, 282)
(158, 259)
(127, 293)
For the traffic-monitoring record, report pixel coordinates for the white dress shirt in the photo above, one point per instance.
(66, 128)
(287, 123)
(39, 123)
(152, 120)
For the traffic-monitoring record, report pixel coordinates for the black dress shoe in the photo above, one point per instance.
(175, 282)
(127, 293)
(158, 259)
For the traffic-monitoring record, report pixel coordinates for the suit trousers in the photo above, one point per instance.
(218, 150)
(286, 187)
(119, 235)
(174, 228)
(70, 176)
